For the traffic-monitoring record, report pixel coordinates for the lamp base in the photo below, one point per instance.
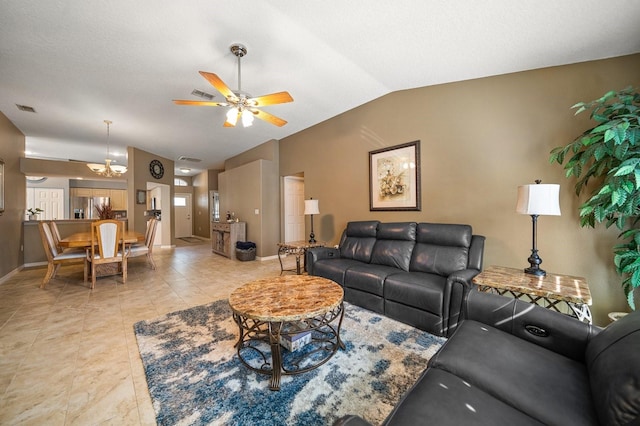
(312, 238)
(535, 271)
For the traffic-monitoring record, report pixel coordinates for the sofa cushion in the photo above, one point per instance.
(368, 277)
(441, 398)
(542, 384)
(416, 289)
(394, 245)
(358, 240)
(613, 361)
(334, 268)
(441, 248)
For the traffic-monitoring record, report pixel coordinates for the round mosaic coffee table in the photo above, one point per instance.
(297, 312)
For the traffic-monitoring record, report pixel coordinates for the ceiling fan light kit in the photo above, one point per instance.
(242, 105)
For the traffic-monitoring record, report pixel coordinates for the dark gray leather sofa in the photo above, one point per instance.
(514, 363)
(417, 273)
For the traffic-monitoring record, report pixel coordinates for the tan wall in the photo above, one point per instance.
(249, 182)
(138, 176)
(11, 150)
(480, 139)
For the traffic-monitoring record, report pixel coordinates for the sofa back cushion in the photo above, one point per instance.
(358, 240)
(613, 362)
(441, 248)
(394, 245)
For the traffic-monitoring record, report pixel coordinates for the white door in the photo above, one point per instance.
(51, 200)
(293, 209)
(183, 209)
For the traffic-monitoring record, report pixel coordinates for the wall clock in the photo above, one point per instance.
(156, 169)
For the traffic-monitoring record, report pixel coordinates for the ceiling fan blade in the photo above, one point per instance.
(198, 103)
(218, 84)
(269, 117)
(272, 99)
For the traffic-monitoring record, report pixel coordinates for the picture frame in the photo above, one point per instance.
(1, 186)
(394, 178)
(141, 196)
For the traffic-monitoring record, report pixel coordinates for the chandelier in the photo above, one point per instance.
(106, 169)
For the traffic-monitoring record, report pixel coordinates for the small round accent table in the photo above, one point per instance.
(277, 311)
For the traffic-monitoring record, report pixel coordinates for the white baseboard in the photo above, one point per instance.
(12, 273)
(263, 258)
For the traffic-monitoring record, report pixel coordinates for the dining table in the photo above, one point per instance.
(83, 239)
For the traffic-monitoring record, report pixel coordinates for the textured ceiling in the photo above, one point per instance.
(79, 62)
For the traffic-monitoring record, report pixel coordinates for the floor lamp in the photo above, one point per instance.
(311, 208)
(537, 200)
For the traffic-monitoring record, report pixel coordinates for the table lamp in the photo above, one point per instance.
(311, 208)
(536, 200)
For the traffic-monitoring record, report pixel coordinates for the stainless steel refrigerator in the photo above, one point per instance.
(85, 207)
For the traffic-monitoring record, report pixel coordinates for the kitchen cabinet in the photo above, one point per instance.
(225, 235)
(118, 199)
(81, 192)
(101, 192)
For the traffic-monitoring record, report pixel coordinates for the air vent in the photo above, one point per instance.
(193, 160)
(202, 94)
(25, 108)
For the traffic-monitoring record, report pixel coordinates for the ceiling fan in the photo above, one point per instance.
(242, 105)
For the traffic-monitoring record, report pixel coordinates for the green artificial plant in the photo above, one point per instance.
(609, 153)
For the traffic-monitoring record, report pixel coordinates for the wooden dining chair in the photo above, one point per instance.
(56, 257)
(146, 249)
(55, 232)
(107, 247)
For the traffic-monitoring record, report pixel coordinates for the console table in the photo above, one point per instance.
(298, 249)
(555, 291)
(224, 236)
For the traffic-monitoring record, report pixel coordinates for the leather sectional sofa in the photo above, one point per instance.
(417, 273)
(514, 363)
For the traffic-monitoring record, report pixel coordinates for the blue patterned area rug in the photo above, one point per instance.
(195, 378)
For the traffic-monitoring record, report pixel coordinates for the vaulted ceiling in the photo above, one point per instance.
(80, 62)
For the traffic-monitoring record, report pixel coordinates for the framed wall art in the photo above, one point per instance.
(394, 178)
(141, 196)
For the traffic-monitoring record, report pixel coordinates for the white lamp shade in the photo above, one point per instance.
(539, 199)
(311, 207)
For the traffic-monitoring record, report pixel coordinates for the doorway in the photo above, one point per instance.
(293, 208)
(183, 211)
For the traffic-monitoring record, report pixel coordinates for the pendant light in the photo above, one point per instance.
(106, 169)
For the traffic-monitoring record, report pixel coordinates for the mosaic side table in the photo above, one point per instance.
(298, 249)
(555, 291)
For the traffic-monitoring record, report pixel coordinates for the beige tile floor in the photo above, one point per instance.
(68, 355)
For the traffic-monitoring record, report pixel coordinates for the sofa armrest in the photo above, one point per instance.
(552, 330)
(318, 253)
(464, 277)
(458, 285)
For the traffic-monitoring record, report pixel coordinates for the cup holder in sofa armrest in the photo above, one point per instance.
(536, 331)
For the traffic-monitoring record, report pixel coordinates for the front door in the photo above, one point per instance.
(183, 210)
